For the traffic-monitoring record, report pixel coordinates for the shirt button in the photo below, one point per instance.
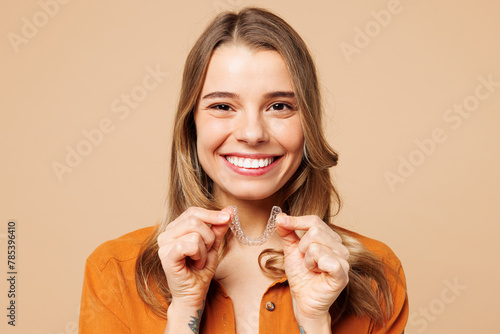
(270, 306)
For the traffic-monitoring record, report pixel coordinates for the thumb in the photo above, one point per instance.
(220, 230)
(286, 232)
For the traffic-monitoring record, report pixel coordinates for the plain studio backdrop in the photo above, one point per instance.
(412, 96)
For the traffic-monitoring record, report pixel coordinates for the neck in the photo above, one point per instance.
(253, 214)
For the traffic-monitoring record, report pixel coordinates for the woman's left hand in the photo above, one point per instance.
(315, 265)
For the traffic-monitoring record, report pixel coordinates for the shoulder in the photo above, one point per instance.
(122, 249)
(110, 301)
(398, 315)
(380, 249)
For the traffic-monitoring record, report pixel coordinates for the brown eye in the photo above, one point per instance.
(223, 107)
(281, 107)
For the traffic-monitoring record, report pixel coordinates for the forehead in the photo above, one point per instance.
(239, 68)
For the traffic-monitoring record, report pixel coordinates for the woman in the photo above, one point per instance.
(247, 133)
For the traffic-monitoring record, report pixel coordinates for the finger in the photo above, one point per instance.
(195, 217)
(325, 236)
(214, 217)
(311, 256)
(314, 253)
(194, 220)
(321, 259)
(175, 257)
(184, 227)
(302, 223)
(287, 234)
(335, 267)
(200, 257)
(219, 231)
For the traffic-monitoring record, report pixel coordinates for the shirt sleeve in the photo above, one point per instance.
(101, 309)
(397, 322)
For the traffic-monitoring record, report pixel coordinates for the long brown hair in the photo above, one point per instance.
(309, 192)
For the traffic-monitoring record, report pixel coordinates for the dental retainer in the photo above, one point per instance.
(240, 235)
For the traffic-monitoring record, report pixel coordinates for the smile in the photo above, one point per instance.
(250, 163)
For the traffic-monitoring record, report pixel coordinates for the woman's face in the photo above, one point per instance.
(249, 134)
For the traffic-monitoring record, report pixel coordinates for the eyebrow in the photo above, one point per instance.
(271, 95)
(215, 95)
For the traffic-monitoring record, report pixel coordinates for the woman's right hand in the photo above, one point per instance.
(188, 250)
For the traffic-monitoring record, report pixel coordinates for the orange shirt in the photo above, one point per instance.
(110, 302)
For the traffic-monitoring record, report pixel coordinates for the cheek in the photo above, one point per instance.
(210, 135)
(290, 134)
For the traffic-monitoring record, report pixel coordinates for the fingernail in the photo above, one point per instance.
(223, 217)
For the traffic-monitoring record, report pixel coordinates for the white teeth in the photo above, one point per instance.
(249, 163)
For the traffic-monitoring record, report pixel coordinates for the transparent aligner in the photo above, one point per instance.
(240, 235)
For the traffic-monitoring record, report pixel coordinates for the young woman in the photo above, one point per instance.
(247, 133)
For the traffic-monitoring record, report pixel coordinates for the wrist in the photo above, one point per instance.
(314, 324)
(184, 318)
(187, 304)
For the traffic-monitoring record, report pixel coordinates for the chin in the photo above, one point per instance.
(251, 194)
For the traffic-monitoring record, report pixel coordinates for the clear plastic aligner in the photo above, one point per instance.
(268, 232)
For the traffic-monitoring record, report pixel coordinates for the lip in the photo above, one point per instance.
(252, 171)
(251, 155)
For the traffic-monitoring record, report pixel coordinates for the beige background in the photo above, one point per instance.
(395, 90)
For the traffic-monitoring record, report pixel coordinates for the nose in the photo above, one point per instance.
(252, 128)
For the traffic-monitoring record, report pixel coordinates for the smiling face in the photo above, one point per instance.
(249, 134)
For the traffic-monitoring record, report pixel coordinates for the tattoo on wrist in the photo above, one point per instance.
(301, 330)
(194, 324)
